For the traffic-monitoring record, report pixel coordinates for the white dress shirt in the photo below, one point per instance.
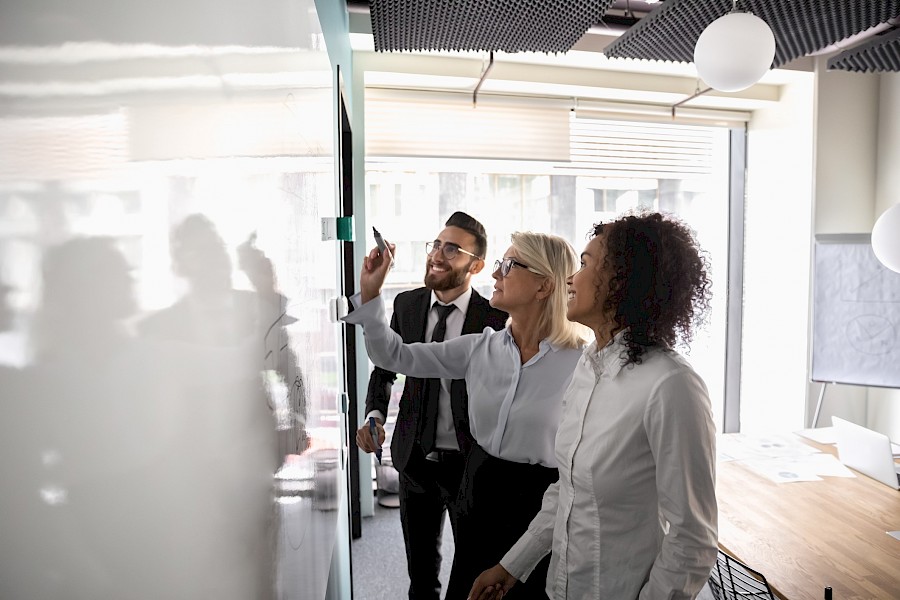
(445, 434)
(634, 512)
(514, 409)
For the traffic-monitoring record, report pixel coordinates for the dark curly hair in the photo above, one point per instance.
(659, 285)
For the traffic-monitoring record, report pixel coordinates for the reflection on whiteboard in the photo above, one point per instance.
(856, 314)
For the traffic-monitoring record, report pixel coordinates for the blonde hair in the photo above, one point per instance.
(555, 259)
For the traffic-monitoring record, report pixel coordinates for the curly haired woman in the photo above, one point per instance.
(633, 514)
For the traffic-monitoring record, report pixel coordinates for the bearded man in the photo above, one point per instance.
(431, 437)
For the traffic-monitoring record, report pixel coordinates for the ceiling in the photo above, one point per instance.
(658, 31)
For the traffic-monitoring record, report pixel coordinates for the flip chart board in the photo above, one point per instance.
(856, 314)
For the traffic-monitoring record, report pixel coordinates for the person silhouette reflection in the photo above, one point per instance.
(86, 440)
(211, 313)
(215, 335)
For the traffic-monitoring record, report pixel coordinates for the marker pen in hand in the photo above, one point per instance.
(382, 246)
(373, 429)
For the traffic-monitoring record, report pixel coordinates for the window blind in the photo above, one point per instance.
(645, 148)
(445, 124)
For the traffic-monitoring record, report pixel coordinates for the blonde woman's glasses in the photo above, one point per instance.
(505, 265)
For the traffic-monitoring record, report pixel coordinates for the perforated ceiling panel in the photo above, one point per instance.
(879, 54)
(671, 30)
(483, 25)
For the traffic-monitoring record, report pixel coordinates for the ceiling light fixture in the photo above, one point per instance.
(886, 238)
(734, 51)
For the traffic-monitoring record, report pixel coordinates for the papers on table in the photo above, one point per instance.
(782, 458)
(739, 446)
(823, 435)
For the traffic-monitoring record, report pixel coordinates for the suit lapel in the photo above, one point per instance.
(474, 322)
(420, 318)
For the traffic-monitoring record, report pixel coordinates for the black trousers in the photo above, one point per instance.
(427, 490)
(498, 499)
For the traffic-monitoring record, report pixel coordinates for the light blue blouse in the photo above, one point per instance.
(514, 409)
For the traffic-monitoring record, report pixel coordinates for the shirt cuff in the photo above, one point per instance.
(524, 556)
(355, 301)
(365, 313)
(378, 415)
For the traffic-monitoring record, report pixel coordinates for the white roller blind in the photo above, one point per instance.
(647, 148)
(443, 124)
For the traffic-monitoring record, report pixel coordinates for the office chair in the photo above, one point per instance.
(731, 579)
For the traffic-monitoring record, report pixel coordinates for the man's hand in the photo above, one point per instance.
(492, 584)
(364, 437)
(374, 271)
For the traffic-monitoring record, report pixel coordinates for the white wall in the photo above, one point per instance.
(884, 404)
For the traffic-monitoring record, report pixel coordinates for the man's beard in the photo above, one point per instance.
(453, 279)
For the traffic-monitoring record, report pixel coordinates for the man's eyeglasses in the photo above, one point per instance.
(505, 265)
(448, 250)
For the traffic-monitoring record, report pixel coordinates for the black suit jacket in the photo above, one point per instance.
(409, 320)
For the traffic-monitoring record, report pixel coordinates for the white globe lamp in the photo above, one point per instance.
(734, 52)
(886, 238)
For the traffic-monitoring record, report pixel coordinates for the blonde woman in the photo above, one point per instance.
(515, 377)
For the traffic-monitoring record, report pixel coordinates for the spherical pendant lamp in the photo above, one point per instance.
(734, 52)
(886, 238)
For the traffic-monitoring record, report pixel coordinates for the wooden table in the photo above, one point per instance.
(805, 535)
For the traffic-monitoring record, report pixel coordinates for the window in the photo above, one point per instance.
(615, 166)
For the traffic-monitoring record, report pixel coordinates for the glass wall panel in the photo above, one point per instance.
(169, 376)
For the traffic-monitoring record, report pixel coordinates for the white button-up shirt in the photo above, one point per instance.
(634, 512)
(445, 432)
(514, 409)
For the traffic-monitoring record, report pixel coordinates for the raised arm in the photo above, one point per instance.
(449, 359)
(680, 428)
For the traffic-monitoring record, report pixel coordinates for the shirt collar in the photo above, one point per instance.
(607, 360)
(461, 302)
(544, 346)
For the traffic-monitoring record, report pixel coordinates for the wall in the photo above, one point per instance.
(884, 404)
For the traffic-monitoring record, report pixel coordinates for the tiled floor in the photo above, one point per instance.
(379, 561)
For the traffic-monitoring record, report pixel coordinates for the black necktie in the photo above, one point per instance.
(429, 416)
(440, 329)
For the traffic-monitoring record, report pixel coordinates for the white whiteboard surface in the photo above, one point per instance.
(170, 424)
(856, 314)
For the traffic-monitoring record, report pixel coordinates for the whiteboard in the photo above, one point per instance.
(170, 379)
(856, 314)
